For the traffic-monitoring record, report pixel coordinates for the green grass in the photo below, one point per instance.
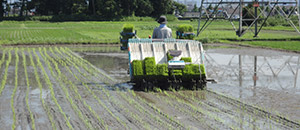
(33, 32)
(284, 45)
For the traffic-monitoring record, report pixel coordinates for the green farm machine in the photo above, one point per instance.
(166, 64)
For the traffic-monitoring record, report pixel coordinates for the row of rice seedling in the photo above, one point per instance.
(4, 78)
(107, 95)
(86, 86)
(172, 121)
(37, 77)
(3, 57)
(81, 63)
(212, 107)
(112, 98)
(15, 89)
(27, 91)
(50, 85)
(92, 68)
(60, 76)
(181, 108)
(260, 114)
(200, 110)
(143, 110)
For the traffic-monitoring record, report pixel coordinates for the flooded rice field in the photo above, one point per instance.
(85, 87)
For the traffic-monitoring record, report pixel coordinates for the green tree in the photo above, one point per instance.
(1, 10)
(7, 8)
(195, 9)
(109, 9)
(22, 8)
(92, 7)
(209, 7)
(162, 7)
(128, 6)
(180, 7)
(144, 8)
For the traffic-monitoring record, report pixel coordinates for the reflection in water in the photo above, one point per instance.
(115, 66)
(244, 70)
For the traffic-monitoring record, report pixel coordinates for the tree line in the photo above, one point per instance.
(106, 9)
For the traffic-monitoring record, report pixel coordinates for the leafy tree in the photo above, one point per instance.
(180, 7)
(1, 10)
(285, 9)
(22, 7)
(195, 9)
(144, 8)
(162, 7)
(92, 7)
(109, 9)
(7, 8)
(209, 7)
(128, 6)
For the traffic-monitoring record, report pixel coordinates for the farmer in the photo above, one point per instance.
(162, 31)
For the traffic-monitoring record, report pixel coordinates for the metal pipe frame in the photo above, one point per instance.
(239, 4)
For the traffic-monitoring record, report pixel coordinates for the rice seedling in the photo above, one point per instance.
(15, 89)
(3, 83)
(89, 90)
(46, 57)
(50, 85)
(27, 91)
(46, 108)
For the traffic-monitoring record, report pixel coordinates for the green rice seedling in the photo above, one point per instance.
(199, 109)
(185, 28)
(128, 27)
(3, 58)
(89, 67)
(58, 77)
(3, 83)
(46, 108)
(48, 82)
(27, 91)
(186, 59)
(99, 101)
(150, 66)
(161, 113)
(15, 89)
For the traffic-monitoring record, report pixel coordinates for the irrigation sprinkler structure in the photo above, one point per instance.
(235, 10)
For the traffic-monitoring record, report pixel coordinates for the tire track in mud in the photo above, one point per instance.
(113, 101)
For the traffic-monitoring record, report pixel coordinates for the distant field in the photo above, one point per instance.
(32, 32)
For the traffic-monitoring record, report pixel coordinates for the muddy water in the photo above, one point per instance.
(266, 79)
(109, 59)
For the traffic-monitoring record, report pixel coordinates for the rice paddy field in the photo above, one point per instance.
(33, 32)
(72, 75)
(64, 88)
